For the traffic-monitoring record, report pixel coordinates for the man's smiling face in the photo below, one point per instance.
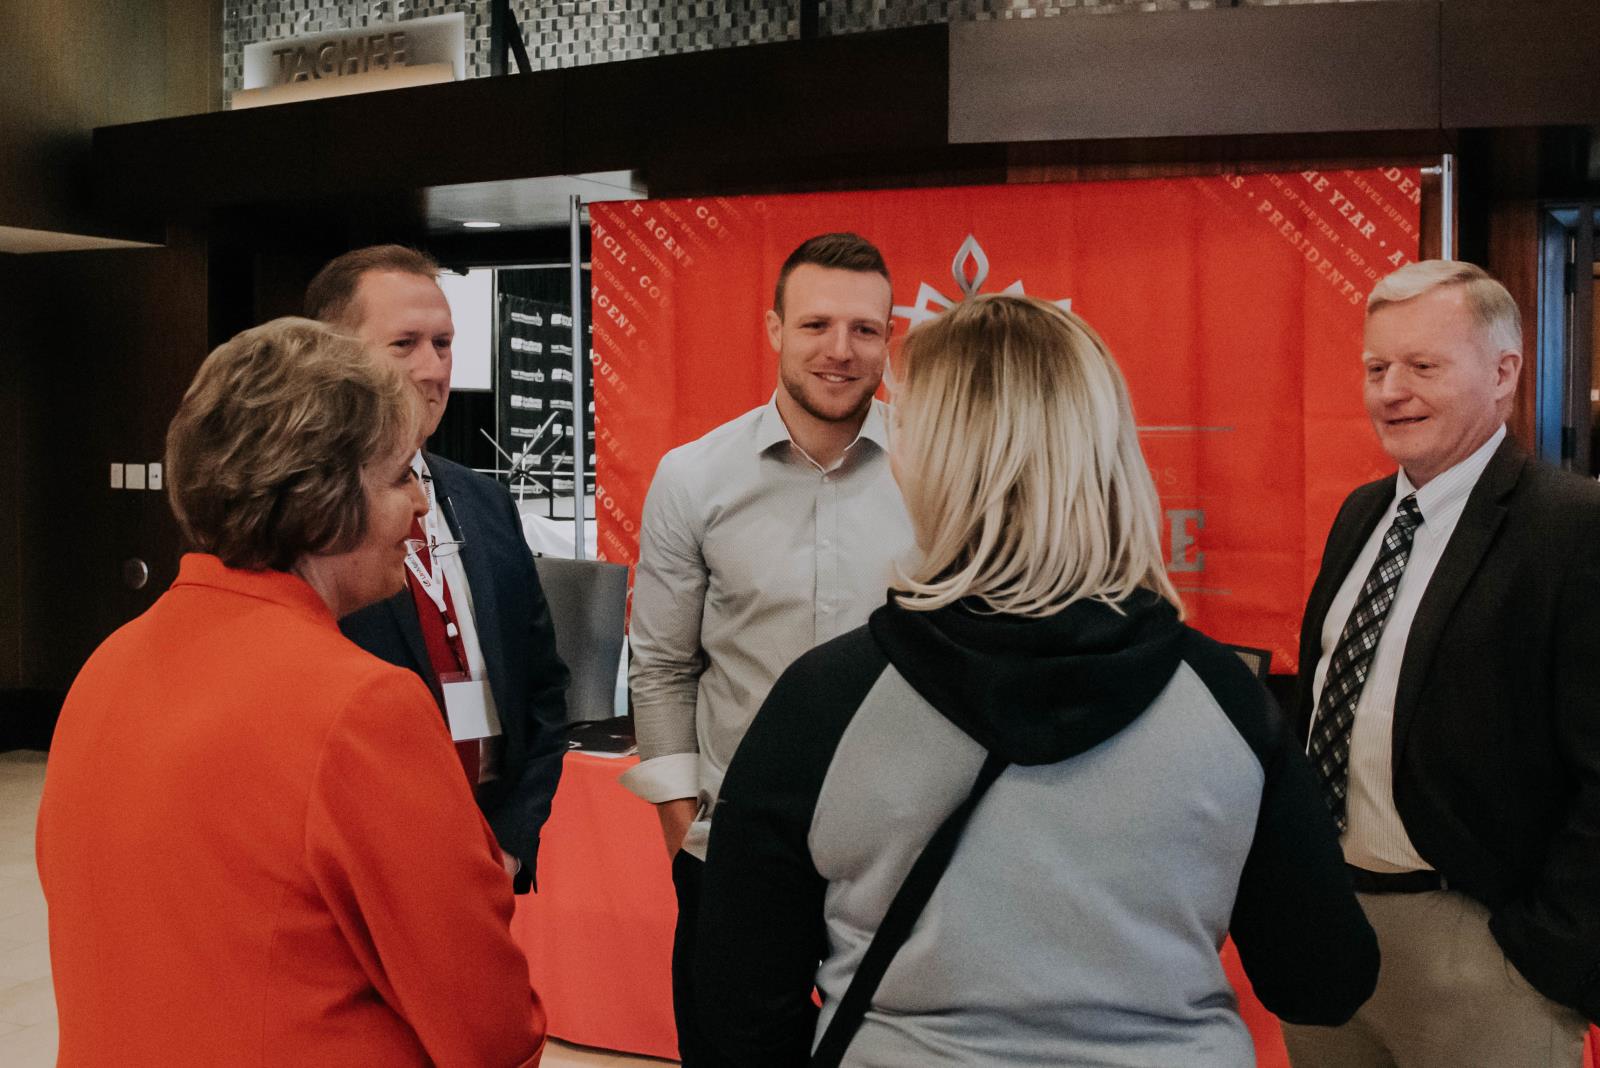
(832, 340)
(1435, 387)
(406, 317)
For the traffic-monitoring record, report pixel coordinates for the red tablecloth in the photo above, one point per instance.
(598, 934)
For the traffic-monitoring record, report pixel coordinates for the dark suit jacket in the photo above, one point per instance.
(1497, 715)
(527, 678)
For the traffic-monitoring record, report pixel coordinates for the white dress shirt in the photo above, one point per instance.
(455, 579)
(750, 553)
(1374, 837)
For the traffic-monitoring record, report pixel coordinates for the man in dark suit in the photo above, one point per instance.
(472, 621)
(1449, 692)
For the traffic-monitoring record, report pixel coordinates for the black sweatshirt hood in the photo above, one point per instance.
(1036, 691)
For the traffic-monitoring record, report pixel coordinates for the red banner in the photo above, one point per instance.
(1233, 304)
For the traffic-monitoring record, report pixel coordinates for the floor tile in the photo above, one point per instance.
(29, 1047)
(18, 870)
(28, 961)
(563, 1055)
(19, 897)
(28, 1003)
(27, 925)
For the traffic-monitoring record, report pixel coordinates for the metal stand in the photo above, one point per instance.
(1447, 207)
(580, 356)
(505, 33)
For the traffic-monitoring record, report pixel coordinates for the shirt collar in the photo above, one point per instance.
(770, 430)
(1450, 487)
(876, 427)
(279, 587)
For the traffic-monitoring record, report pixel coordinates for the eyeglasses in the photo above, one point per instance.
(438, 548)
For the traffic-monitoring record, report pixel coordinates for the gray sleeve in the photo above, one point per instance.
(669, 589)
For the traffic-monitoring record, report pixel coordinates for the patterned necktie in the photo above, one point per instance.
(1352, 658)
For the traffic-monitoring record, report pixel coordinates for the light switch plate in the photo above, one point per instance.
(133, 476)
(116, 476)
(153, 481)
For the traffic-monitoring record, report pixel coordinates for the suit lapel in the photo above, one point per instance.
(1351, 528)
(1475, 530)
(1345, 543)
(403, 610)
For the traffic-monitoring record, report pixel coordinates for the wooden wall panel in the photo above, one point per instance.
(1242, 70)
(112, 341)
(1184, 157)
(1513, 258)
(91, 344)
(1519, 64)
(72, 65)
(10, 478)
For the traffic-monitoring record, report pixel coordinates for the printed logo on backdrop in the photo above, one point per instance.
(1232, 304)
(970, 269)
(1351, 227)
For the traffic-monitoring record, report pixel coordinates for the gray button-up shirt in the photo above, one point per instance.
(749, 555)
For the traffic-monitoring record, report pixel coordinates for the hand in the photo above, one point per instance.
(511, 864)
(675, 816)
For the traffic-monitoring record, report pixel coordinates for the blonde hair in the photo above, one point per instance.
(1020, 464)
(1486, 298)
(265, 455)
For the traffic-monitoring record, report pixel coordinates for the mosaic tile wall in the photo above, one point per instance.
(565, 33)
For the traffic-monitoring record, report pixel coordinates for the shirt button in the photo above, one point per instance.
(825, 608)
(823, 544)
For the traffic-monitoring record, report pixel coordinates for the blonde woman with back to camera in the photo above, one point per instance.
(1011, 820)
(255, 840)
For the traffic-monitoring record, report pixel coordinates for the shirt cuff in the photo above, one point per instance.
(664, 778)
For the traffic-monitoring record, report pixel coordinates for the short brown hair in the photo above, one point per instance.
(264, 457)
(840, 252)
(332, 292)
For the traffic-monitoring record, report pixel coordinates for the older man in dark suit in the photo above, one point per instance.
(472, 621)
(1449, 693)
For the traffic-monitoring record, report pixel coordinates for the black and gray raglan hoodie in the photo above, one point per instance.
(1156, 803)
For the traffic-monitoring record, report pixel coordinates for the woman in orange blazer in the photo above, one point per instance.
(255, 840)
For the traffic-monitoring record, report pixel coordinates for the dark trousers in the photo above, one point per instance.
(692, 1046)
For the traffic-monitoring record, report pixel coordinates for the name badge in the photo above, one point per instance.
(466, 705)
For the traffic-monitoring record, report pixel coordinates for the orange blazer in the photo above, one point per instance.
(257, 847)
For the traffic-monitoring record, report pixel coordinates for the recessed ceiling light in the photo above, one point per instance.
(481, 224)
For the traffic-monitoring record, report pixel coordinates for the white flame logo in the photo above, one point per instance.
(970, 269)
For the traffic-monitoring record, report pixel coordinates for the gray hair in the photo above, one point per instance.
(1486, 298)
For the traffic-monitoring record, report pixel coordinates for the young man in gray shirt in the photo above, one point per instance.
(771, 534)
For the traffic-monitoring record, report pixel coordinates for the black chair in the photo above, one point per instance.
(587, 599)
